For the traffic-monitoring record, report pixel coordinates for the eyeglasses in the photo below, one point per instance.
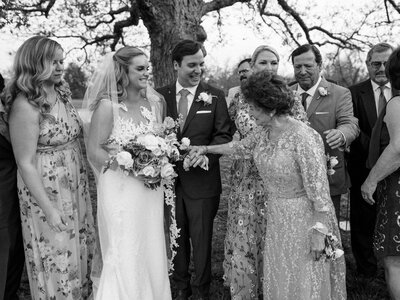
(244, 71)
(378, 64)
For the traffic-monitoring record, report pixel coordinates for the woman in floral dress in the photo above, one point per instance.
(53, 188)
(246, 202)
(290, 158)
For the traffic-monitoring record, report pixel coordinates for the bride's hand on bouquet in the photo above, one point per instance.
(317, 244)
(112, 149)
(56, 220)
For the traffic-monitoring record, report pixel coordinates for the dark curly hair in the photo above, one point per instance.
(392, 69)
(269, 92)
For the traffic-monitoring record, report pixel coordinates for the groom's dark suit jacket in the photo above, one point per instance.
(362, 215)
(205, 125)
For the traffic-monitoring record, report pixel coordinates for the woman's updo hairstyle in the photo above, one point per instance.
(269, 92)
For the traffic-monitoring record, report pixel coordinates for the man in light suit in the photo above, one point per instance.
(206, 122)
(366, 101)
(330, 112)
(244, 71)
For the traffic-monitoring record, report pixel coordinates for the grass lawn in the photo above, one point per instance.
(357, 288)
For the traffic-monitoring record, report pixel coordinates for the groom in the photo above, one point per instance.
(205, 122)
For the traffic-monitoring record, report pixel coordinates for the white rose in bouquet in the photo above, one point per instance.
(149, 171)
(149, 141)
(124, 159)
(169, 123)
(167, 171)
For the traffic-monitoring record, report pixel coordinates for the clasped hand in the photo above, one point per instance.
(196, 157)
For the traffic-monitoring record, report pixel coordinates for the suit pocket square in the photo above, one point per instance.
(322, 112)
(203, 112)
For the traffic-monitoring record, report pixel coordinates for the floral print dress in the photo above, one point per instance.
(58, 264)
(245, 224)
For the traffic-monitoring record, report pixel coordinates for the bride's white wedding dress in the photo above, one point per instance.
(131, 230)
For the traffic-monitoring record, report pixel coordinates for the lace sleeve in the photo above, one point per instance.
(245, 147)
(232, 110)
(312, 162)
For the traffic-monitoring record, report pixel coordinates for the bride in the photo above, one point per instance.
(130, 216)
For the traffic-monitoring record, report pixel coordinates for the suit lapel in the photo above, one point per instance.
(171, 101)
(317, 98)
(368, 101)
(196, 105)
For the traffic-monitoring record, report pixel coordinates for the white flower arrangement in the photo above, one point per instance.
(150, 156)
(205, 97)
(331, 162)
(323, 91)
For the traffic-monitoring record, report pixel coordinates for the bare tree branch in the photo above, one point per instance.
(395, 6)
(35, 7)
(285, 6)
(219, 4)
(285, 24)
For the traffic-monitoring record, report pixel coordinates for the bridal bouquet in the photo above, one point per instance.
(150, 156)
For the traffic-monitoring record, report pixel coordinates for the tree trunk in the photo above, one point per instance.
(167, 23)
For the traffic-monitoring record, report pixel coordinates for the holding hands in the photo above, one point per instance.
(196, 157)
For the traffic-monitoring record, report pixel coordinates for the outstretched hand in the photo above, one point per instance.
(196, 151)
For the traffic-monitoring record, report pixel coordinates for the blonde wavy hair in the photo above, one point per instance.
(32, 68)
(122, 59)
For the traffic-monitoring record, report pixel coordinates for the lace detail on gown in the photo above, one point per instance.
(293, 169)
(131, 229)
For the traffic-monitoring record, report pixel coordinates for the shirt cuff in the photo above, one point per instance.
(344, 138)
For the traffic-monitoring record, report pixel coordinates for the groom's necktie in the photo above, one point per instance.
(304, 100)
(382, 100)
(183, 105)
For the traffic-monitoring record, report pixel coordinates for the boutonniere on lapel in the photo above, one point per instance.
(205, 97)
(323, 91)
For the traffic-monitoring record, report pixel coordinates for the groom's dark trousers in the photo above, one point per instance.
(11, 246)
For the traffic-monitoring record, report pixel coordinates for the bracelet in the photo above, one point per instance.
(320, 228)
